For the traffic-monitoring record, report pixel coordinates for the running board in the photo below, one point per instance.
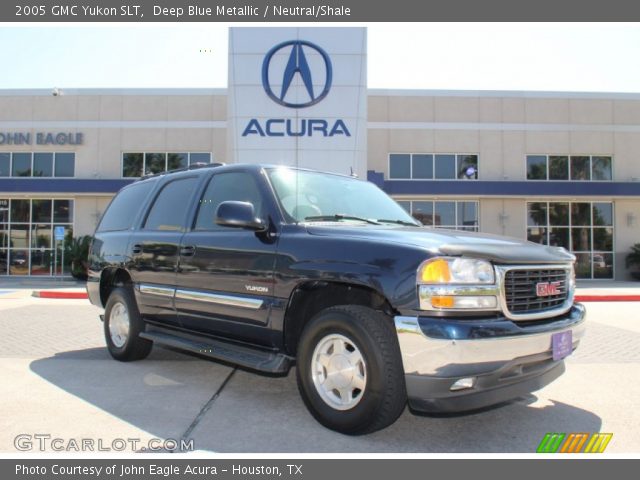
(244, 356)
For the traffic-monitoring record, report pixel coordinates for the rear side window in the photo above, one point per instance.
(171, 205)
(224, 187)
(124, 207)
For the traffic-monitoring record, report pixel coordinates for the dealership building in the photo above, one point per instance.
(555, 168)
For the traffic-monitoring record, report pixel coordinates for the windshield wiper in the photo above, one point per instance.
(398, 222)
(340, 216)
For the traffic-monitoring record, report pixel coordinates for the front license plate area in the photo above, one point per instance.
(561, 344)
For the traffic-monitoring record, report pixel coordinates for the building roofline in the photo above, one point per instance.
(373, 92)
(48, 92)
(399, 92)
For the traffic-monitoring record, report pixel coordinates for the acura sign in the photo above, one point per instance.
(315, 90)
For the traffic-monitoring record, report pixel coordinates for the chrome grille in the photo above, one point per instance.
(520, 290)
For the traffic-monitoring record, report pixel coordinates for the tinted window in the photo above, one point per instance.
(132, 165)
(468, 167)
(63, 211)
(200, 158)
(171, 206)
(41, 211)
(42, 164)
(124, 207)
(422, 165)
(5, 162)
(154, 163)
(177, 160)
(21, 165)
(580, 168)
(536, 167)
(445, 213)
(601, 168)
(558, 168)
(65, 164)
(400, 165)
(234, 186)
(445, 166)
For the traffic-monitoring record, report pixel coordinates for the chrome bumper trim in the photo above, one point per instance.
(422, 355)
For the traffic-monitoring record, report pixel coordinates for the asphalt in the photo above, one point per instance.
(59, 380)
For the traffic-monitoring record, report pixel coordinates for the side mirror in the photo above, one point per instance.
(239, 215)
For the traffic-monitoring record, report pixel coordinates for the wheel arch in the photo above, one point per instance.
(112, 278)
(310, 298)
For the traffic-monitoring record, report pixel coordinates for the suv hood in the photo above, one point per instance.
(449, 242)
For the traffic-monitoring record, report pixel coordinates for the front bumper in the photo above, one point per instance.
(504, 358)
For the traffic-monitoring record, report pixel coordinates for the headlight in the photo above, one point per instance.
(446, 283)
(444, 270)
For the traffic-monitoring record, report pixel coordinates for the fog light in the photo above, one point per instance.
(463, 384)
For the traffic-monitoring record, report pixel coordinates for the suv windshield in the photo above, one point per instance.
(314, 196)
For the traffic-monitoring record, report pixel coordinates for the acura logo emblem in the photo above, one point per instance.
(297, 65)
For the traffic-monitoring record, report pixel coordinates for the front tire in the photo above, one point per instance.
(122, 327)
(349, 370)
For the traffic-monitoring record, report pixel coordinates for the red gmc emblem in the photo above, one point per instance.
(545, 289)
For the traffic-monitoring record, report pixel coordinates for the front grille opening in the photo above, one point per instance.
(521, 295)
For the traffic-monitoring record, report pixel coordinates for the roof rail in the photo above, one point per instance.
(193, 166)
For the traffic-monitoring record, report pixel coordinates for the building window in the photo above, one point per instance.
(584, 228)
(569, 167)
(452, 214)
(433, 166)
(37, 164)
(27, 242)
(135, 163)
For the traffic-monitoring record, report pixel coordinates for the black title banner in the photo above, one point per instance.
(305, 469)
(315, 10)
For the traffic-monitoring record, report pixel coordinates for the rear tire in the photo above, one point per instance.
(122, 327)
(349, 370)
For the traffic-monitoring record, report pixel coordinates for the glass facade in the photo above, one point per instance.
(452, 214)
(27, 243)
(584, 228)
(38, 164)
(433, 166)
(569, 167)
(137, 164)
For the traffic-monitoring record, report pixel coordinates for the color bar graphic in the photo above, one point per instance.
(554, 442)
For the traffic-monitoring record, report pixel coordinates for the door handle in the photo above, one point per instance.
(137, 248)
(187, 251)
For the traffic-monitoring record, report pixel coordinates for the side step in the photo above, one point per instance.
(244, 356)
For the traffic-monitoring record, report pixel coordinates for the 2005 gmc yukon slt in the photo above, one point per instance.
(264, 267)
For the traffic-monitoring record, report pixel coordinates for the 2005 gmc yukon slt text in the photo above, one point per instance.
(267, 267)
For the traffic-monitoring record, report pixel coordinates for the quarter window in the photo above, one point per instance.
(433, 166)
(124, 207)
(569, 167)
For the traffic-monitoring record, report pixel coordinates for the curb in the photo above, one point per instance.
(60, 295)
(607, 298)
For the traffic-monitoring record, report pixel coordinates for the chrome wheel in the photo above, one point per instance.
(119, 324)
(339, 372)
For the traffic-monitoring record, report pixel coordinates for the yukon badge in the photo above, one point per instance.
(256, 288)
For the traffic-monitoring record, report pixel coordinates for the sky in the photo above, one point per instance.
(459, 56)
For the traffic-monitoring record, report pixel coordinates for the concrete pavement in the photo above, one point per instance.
(59, 380)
